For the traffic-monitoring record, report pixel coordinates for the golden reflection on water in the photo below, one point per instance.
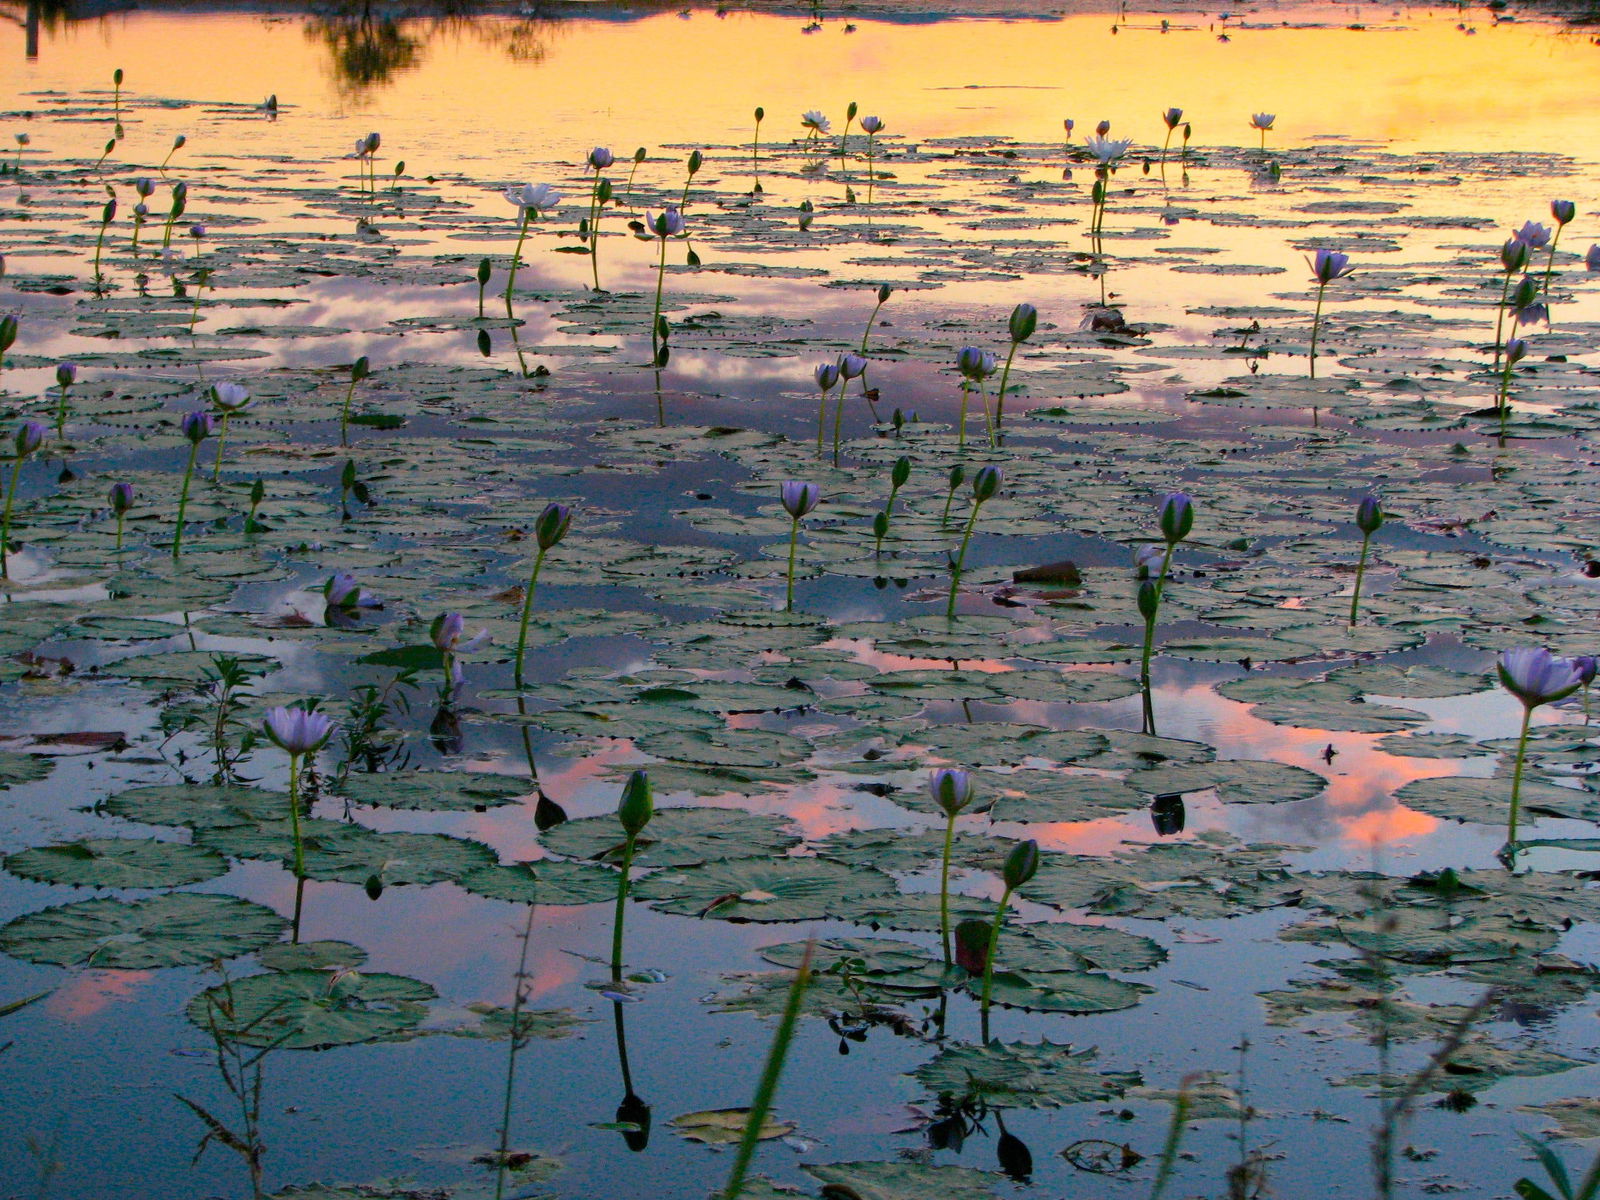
(1414, 78)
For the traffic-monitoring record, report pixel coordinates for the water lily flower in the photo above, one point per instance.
(196, 426)
(343, 593)
(120, 497)
(815, 122)
(1172, 117)
(1514, 254)
(1534, 676)
(667, 223)
(974, 363)
(29, 436)
(1562, 211)
(66, 374)
(297, 731)
(1107, 150)
(872, 124)
(851, 365)
(446, 633)
(145, 186)
(230, 397)
(1533, 235)
(826, 375)
(1591, 260)
(1262, 121)
(1328, 266)
(533, 197)
(799, 498)
(600, 158)
(1103, 128)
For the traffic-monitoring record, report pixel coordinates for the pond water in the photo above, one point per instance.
(1270, 881)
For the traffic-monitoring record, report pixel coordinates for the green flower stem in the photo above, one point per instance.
(222, 441)
(119, 531)
(183, 501)
(822, 420)
(527, 611)
(944, 886)
(1549, 265)
(627, 195)
(988, 959)
(1500, 317)
(99, 244)
(61, 415)
(761, 1105)
(5, 520)
(294, 816)
(516, 258)
(1000, 396)
(961, 558)
(1150, 625)
(794, 541)
(622, 901)
(655, 320)
(1361, 570)
(949, 498)
(869, 169)
(961, 424)
(867, 332)
(1316, 327)
(1516, 779)
(344, 413)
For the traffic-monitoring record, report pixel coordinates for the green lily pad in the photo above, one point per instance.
(783, 889)
(548, 881)
(118, 863)
(310, 1010)
(1023, 1075)
(675, 837)
(178, 929)
(434, 791)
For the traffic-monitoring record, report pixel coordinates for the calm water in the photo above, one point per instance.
(1394, 140)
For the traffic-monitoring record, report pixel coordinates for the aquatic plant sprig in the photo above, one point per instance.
(639, 156)
(1561, 212)
(180, 201)
(985, 486)
(202, 278)
(178, 143)
(815, 124)
(958, 476)
(755, 153)
(1514, 255)
(844, 137)
(359, 370)
(1021, 865)
(1325, 268)
(448, 633)
(1172, 118)
(951, 790)
(120, 498)
(599, 159)
(883, 293)
(1369, 519)
(634, 811)
(66, 376)
(531, 200)
(227, 398)
(1020, 325)
(196, 428)
(10, 325)
(299, 732)
(772, 1069)
(27, 438)
(549, 528)
(1176, 521)
(798, 499)
(484, 271)
(1535, 677)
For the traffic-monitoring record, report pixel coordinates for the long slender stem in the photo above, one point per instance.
(1316, 327)
(511, 1061)
(961, 424)
(761, 1105)
(344, 413)
(838, 419)
(622, 901)
(794, 541)
(655, 320)
(822, 420)
(183, 501)
(1361, 570)
(516, 258)
(1000, 396)
(1500, 318)
(294, 816)
(61, 415)
(988, 960)
(944, 886)
(5, 521)
(222, 441)
(119, 532)
(961, 558)
(527, 610)
(1516, 779)
(1550, 262)
(1150, 623)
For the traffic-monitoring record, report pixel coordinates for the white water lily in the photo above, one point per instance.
(534, 196)
(815, 122)
(1107, 150)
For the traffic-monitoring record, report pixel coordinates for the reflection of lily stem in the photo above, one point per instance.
(183, 501)
(988, 960)
(794, 541)
(1502, 401)
(1361, 570)
(622, 901)
(527, 611)
(1516, 783)
(961, 558)
(944, 886)
(869, 169)
(1316, 327)
(767, 1087)
(5, 521)
(517, 1043)
(516, 258)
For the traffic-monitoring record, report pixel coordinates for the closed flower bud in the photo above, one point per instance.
(66, 374)
(1021, 864)
(360, 369)
(826, 375)
(551, 525)
(950, 789)
(986, 483)
(884, 291)
(1514, 255)
(799, 498)
(120, 497)
(1177, 517)
(1563, 211)
(485, 269)
(1149, 599)
(900, 472)
(851, 365)
(600, 158)
(1369, 517)
(1024, 320)
(958, 475)
(28, 438)
(196, 426)
(637, 805)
